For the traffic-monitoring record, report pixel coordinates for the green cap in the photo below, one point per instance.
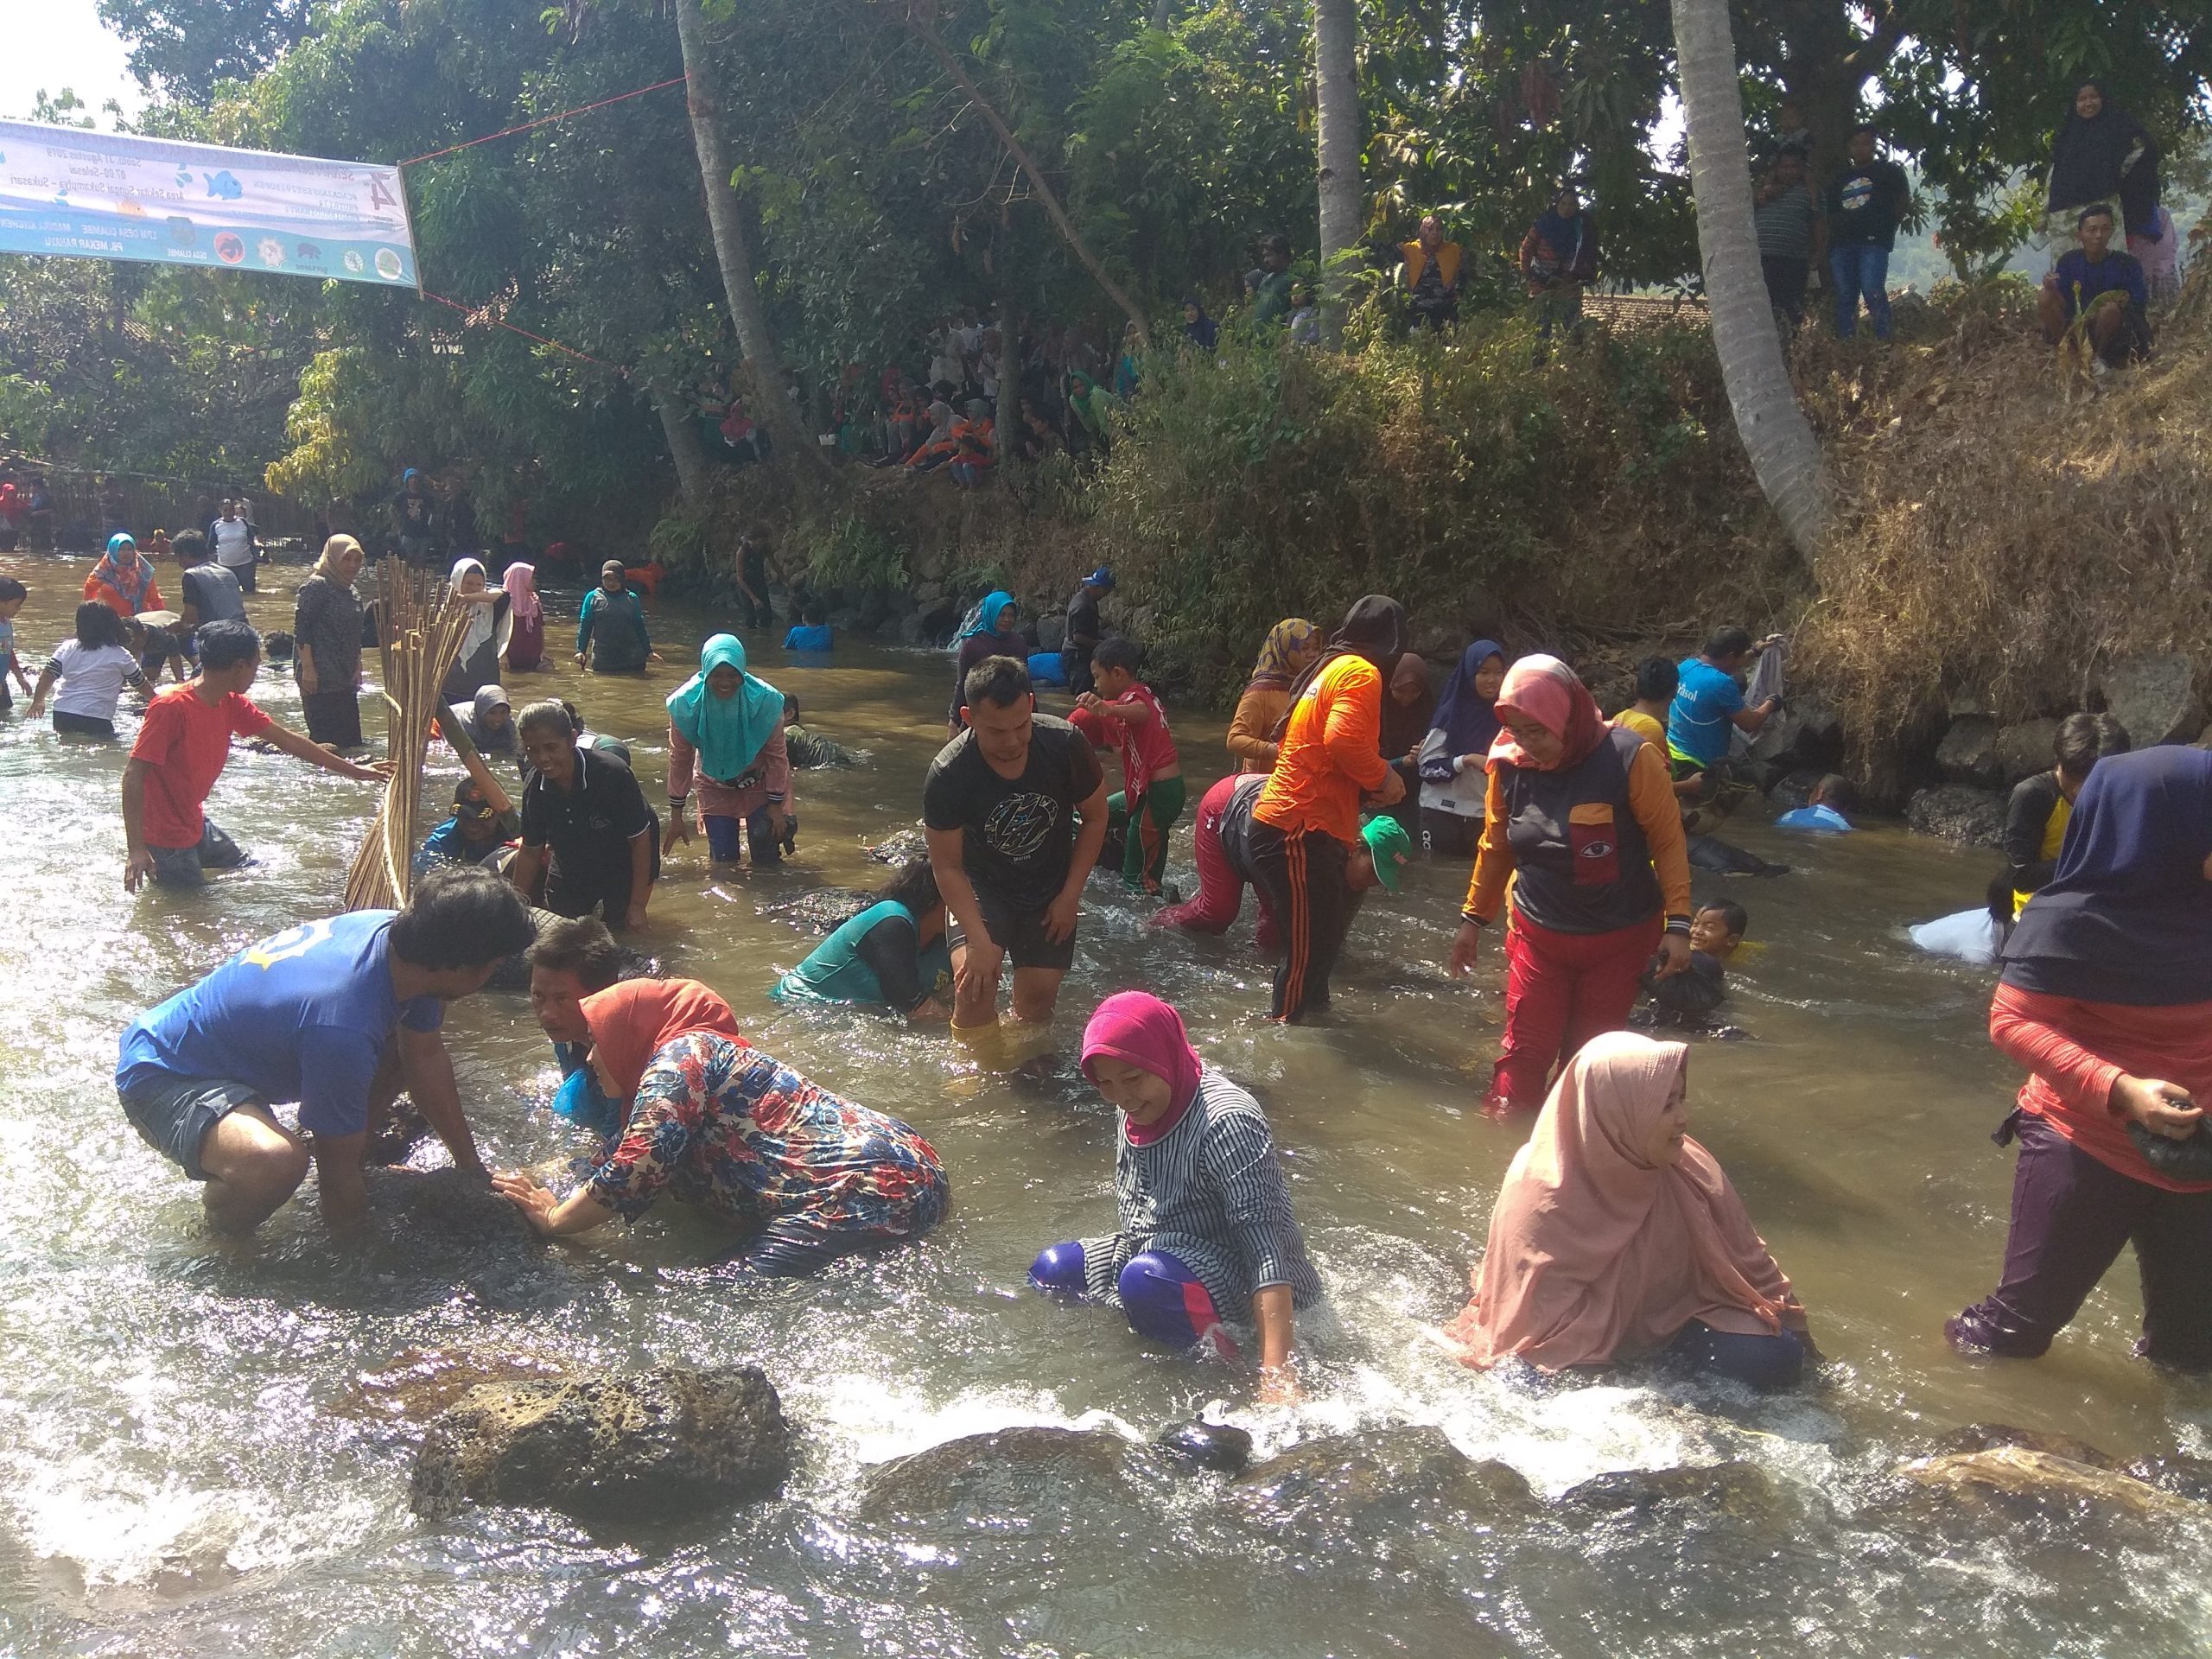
(1387, 840)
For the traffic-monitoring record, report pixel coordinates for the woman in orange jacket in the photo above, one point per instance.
(1305, 823)
(1584, 816)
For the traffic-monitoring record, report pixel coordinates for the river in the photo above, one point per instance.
(192, 1462)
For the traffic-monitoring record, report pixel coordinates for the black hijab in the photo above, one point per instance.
(2127, 916)
(2087, 156)
(1374, 628)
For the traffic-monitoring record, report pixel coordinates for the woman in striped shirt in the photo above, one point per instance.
(1206, 1228)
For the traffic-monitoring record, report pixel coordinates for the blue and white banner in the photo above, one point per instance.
(107, 195)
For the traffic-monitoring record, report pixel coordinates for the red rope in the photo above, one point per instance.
(480, 313)
(509, 132)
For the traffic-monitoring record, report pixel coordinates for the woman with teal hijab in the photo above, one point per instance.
(993, 630)
(725, 730)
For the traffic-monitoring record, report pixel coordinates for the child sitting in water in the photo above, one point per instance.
(1824, 808)
(1687, 1000)
(808, 748)
(1205, 1217)
(1125, 711)
(811, 632)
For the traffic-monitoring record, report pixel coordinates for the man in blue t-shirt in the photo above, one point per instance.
(339, 1016)
(1709, 704)
(2106, 291)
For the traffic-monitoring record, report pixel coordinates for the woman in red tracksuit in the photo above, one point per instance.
(1585, 816)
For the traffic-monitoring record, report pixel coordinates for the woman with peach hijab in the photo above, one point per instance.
(1617, 1235)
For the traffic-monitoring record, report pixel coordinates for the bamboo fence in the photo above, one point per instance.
(420, 632)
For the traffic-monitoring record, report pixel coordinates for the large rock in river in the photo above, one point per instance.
(2020, 1479)
(2024, 750)
(2155, 697)
(1008, 1475)
(1341, 1480)
(1968, 753)
(1971, 817)
(1736, 1489)
(670, 1442)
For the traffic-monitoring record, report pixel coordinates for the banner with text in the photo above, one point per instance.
(107, 195)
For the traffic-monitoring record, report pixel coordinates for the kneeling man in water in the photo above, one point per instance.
(339, 1016)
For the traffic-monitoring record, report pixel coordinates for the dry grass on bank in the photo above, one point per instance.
(1994, 540)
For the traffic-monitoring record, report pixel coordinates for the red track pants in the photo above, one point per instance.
(1561, 989)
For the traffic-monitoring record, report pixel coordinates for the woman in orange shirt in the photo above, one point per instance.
(1585, 815)
(1306, 820)
(1290, 646)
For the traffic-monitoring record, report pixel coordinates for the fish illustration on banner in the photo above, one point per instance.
(67, 192)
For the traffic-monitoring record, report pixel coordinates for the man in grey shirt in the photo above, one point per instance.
(210, 592)
(232, 538)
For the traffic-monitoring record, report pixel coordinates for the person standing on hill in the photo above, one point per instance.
(1432, 277)
(1788, 225)
(2101, 155)
(1306, 822)
(1865, 202)
(1558, 260)
(1271, 300)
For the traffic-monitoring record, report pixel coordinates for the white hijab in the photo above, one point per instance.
(482, 618)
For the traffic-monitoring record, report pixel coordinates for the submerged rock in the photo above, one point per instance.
(1986, 1437)
(1008, 1473)
(418, 1384)
(2019, 1477)
(670, 1442)
(2154, 696)
(899, 847)
(821, 910)
(1971, 817)
(1720, 857)
(445, 1217)
(1736, 1489)
(1217, 1446)
(1343, 1480)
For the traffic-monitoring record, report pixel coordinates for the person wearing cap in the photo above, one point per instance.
(1223, 844)
(1083, 628)
(484, 822)
(610, 632)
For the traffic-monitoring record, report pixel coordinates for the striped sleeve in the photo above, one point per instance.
(1240, 1159)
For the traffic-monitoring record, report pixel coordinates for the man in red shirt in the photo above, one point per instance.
(181, 747)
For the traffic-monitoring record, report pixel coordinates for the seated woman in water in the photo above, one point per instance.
(721, 1125)
(1205, 1225)
(1617, 1236)
(892, 955)
(2106, 999)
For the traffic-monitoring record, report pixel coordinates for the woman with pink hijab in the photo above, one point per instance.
(526, 645)
(1583, 817)
(1617, 1236)
(1205, 1230)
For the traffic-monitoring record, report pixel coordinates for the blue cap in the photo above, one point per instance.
(1102, 577)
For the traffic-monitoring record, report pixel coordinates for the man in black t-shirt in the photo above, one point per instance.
(1014, 811)
(584, 811)
(1865, 202)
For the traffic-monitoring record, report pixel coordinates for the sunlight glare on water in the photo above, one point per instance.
(195, 1456)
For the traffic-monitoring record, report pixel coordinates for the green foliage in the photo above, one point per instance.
(857, 557)
(1475, 487)
(685, 542)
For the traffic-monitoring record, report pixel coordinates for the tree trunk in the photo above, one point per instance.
(769, 405)
(1336, 86)
(1785, 456)
(1051, 202)
(684, 448)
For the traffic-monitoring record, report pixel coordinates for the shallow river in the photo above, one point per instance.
(191, 1461)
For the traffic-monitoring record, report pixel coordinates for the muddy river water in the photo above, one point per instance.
(198, 1454)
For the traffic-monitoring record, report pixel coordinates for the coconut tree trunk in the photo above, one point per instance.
(769, 405)
(1785, 456)
(1336, 87)
(684, 448)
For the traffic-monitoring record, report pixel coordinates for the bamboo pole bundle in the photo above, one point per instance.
(419, 635)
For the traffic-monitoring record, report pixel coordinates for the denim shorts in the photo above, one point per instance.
(174, 1114)
(183, 866)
